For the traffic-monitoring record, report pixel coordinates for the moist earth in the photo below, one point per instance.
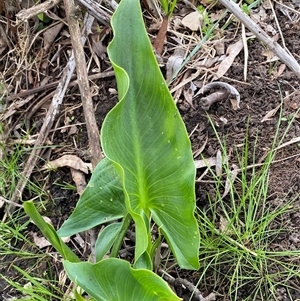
(261, 93)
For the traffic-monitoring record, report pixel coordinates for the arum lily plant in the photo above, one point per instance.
(146, 178)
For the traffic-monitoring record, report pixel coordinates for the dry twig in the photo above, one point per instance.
(48, 122)
(228, 89)
(179, 281)
(261, 35)
(26, 14)
(55, 83)
(83, 82)
(97, 11)
(86, 97)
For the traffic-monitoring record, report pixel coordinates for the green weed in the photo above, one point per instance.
(239, 250)
(16, 251)
(207, 22)
(168, 6)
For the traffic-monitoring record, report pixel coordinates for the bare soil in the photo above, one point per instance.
(265, 89)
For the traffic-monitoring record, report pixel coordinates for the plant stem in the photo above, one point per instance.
(117, 245)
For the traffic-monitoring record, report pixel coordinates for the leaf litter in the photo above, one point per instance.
(261, 94)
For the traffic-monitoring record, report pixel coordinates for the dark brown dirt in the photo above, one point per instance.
(262, 93)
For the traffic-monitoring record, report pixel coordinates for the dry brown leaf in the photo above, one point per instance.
(3, 45)
(271, 57)
(294, 101)
(13, 108)
(99, 48)
(73, 129)
(260, 16)
(268, 53)
(70, 161)
(80, 240)
(4, 40)
(193, 21)
(220, 47)
(41, 242)
(208, 61)
(200, 150)
(211, 297)
(230, 179)
(209, 162)
(270, 114)
(280, 70)
(189, 94)
(223, 225)
(219, 162)
(174, 62)
(232, 51)
(216, 15)
(79, 180)
(50, 34)
(2, 6)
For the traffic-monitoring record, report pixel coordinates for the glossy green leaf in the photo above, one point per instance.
(106, 239)
(114, 280)
(49, 232)
(44, 18)
(102, 201)
(146, 139)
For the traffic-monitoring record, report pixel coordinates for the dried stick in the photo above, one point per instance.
(48, 122)
(92, 4)
(55, 83)
(289, 60)
(83, 82)
(95, 9)
(26, 14)
(175, 281)
(86, 97)
(228, 89)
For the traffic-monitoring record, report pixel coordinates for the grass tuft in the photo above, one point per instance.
(240, 249)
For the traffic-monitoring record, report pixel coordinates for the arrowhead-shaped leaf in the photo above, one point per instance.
(102, 201)
(146, 139)
(114, 280)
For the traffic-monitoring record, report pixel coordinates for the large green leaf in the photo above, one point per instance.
(102, 201)
(145, 137)
(114, 280)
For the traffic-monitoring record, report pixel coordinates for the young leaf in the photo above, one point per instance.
(49, 232)
(102, 201)
(114, 280)
(106, 239)
(150, 146)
